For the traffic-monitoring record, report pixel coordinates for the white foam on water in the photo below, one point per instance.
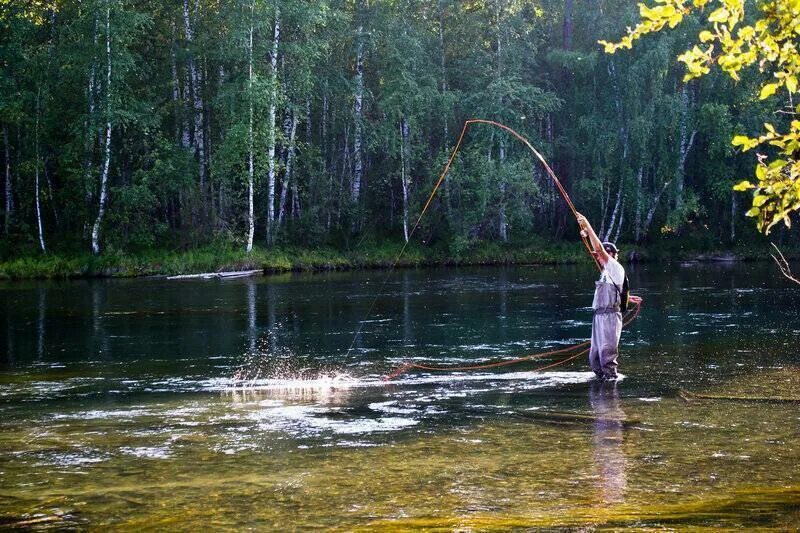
(334, 384)
(312, 420)
(391, 407)
(99, 414)
(147, 452)
(538, 379)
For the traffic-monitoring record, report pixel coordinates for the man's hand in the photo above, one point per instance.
(636, 300)
(582, 222)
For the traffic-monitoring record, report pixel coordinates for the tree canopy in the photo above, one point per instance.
(735, 35)
(171, 123)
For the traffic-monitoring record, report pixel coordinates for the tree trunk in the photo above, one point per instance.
(568, 27)
(196, 79)
(271, 125)
(251, 227)
(614, 213)
(36, 175)
(502, 226)
(9, 196)
(621, 219)
(686, 144)
(107, 150)
(404, 171)
(649, 218)
(358, 109)
(287, 176)
(639, 199)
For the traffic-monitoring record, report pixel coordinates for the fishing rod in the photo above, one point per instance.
(632, 315)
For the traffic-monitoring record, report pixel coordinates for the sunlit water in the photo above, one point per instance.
(187, 404)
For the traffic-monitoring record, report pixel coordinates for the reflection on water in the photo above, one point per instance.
(237, 403)
(608, 436)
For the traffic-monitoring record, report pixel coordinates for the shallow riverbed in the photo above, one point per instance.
(186, 404)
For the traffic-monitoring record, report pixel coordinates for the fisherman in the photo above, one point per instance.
(607, 321)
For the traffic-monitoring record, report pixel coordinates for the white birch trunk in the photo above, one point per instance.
(251, 227)
(615, 212)
(107, 151)
(649, 218)
(36, 177)
(271, 125)
(621, 219)
(404, 172)
(358, 111)
(685, 146)
(196, 78)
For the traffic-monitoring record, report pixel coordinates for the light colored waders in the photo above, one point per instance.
(606, 330)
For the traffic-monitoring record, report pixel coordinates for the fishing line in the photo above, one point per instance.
(428, 202)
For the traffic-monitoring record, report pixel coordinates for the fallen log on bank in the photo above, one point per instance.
(219, 275)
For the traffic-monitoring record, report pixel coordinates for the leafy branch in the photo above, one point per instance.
(771, 44)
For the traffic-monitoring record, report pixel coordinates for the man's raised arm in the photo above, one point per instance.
(597, 246)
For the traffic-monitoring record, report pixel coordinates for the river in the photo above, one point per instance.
(236, 403)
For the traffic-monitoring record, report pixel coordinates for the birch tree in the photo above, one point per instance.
(195, 87)
(358, 106)
(271, 131)
(36, 165)
(251, 227)
(107, 147)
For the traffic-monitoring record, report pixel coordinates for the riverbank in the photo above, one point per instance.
(227, 257)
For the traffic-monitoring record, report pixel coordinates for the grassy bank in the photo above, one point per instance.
(224, 257)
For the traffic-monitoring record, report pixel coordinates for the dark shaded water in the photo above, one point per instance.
(177, 404)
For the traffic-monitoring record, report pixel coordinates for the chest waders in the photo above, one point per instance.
(606, 330)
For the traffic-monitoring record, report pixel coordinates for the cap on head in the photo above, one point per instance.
(610, 247)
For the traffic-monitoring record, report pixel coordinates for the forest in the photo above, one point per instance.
(130, 126)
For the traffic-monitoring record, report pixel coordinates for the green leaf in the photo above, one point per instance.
(740, 140)
(753, 212)
(759, 200)
(768, 90)
(743, 186)
(791, 84)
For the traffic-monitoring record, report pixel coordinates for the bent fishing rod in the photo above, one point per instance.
(467, 124)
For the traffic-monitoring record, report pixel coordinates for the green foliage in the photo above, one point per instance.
(616, 129)
(734, 41)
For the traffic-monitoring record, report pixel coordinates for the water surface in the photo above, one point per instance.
(186, 404)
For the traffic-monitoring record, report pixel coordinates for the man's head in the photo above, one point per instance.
(611, 249)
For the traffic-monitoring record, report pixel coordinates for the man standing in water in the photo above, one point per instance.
(607, 321)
